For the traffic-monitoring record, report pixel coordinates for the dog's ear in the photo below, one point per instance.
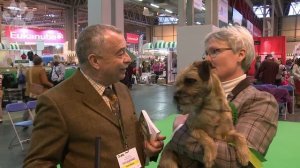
(204, 70)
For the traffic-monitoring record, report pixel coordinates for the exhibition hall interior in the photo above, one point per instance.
(163, 37)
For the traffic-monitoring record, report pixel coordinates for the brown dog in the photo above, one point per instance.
(200, 94)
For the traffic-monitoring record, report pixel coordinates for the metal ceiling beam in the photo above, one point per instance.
(50, 2)
(279, 3)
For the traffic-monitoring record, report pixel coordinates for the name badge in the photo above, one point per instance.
(129, 159)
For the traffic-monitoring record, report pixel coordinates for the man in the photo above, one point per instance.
(268, 70)
(72, 115)
(57, 71)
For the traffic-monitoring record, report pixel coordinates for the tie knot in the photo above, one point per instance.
(108, 92)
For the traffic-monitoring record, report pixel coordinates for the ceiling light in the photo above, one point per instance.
(155, 6)
(169, 11)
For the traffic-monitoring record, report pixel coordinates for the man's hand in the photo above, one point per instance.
(154, 147)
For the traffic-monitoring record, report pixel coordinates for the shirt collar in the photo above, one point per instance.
(99, 88)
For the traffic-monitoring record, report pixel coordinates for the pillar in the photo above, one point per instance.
(106, 12)
(181, 12)
(69, 28)
(190, 12)
(211, 13)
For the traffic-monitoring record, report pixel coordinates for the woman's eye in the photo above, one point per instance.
(190, 81)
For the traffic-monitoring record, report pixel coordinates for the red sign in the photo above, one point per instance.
(18, 34)
(132, 38)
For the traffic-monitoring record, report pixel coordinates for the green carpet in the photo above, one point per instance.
(283, 152)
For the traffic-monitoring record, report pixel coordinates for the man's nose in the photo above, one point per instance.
(127, 58)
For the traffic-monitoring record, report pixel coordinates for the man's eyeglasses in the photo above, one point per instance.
(213, 52)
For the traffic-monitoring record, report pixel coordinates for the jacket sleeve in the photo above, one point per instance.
(257, 120)
(49, 136)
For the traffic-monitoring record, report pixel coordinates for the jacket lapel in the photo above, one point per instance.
(92, 99)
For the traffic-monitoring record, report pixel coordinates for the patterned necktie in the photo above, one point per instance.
(114, 104)
(113, 99)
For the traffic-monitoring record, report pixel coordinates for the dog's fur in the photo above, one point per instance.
(199, 93)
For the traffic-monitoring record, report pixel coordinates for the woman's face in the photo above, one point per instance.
(226, 63)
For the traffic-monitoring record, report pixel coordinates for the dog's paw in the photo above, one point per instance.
(209, 158)
(243, 156)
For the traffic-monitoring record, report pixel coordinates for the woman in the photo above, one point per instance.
(36, 75)
(57, 71)
(231, 51)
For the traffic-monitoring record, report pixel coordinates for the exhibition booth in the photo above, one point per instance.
(16, 42)
(161, 52)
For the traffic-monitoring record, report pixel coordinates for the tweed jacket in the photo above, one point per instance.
(257, 120)
(69, 118)
(38, 75)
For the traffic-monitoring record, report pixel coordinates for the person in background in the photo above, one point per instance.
(128, 76)
(156, 68)
(281, 73)
(231, 51)
(296, 79)
(23, 56)
(21, 79)
(80, 110)
(57, 70)
(36, 74)
(1, 97)
(268, 70)
(257, 63)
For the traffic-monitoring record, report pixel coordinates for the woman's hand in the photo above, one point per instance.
(179, 120)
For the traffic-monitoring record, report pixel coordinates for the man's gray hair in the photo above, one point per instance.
(91, 40)
(237, 37)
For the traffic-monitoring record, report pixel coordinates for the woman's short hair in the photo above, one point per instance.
(238, 38)
(37, 60)
(91, 40)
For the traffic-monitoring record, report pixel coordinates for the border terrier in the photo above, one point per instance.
(199, 93)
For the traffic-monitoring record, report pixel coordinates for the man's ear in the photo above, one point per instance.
(94, 61)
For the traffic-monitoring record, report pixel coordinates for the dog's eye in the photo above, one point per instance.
(190, 81)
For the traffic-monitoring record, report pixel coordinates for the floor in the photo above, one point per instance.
(155, 99)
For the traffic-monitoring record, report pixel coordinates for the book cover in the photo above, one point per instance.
(149, 129)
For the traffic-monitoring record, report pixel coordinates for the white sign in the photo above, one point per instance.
(223, 11)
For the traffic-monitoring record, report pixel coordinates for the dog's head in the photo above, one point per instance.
(193, 85)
